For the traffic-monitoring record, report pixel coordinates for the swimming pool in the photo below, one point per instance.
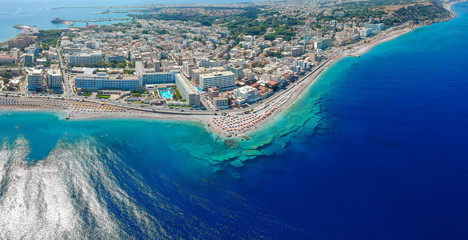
(165, 93)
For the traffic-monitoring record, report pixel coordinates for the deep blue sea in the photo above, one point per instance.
(377, 148)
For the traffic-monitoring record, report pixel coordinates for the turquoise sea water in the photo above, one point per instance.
(39, 13)
(375, 149)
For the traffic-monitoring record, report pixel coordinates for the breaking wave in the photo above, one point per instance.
(60, 196)
(82, 189)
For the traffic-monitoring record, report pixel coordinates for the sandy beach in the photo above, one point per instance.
(17, 36)
(283, 101)
(232, 123)
(259, 115)
(10, 39)
(448, 5)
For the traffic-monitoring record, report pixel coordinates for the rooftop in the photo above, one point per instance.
(217, 74)
(186, 84)
(107, 77)
(246, 89)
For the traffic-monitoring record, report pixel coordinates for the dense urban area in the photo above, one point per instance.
(217, 60)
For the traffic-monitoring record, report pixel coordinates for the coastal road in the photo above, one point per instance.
(277, 99)
(282, 95)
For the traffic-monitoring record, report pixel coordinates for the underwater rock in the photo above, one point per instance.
(252, 152)
(231, 143)
(237, 163)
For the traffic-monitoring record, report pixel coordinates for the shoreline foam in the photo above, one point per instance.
(296, 91)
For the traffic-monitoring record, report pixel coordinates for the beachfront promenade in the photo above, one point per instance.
(235, 125)
(32, 102)
(57, 104)
(238, 123)
(232, 122)
(249, 119)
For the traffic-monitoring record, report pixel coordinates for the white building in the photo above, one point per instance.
(249, 38)
(35, 80)
(297, 51)
(157, 66)
(365, 32)
(16, 53)
(84, 58)
(154, 77)
(187, 90)
(236, 69)
(199, 71)
(207, 63)
(54, 79)
(100, 81)
(52, 55)
(33, 50)
(248, 93)
(151, 77)
(246, 45)
(221, 102)
(7, 59)
(28, 58)
(321, 43)
(71, 49)
(188, 67)
(223, 80)
(92, 44)
(376, 27)
(41, 61)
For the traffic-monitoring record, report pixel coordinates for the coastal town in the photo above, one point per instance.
(232, 67)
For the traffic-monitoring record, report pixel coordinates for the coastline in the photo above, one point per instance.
(24, 30)
(308, 82)
(357, 49)
(12, 38)
(281, 102)
(295, 93)
(448, 5)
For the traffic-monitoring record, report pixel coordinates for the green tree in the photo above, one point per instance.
(121, 64)
(7, 74)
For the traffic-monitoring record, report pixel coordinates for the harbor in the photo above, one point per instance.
(72, 22)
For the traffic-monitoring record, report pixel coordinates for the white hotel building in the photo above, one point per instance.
(35, 80)
(248, 93)
(154, 77)
(84, 58)
(223, 80)
(187, 90)
(54, 79)
(100, 81)
(159, 77)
